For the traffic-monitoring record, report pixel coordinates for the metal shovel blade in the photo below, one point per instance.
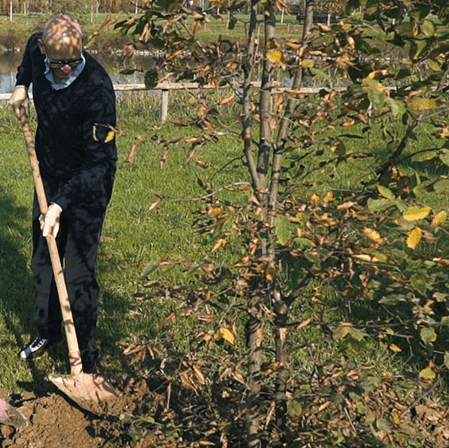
(91, 392)
(10, 416)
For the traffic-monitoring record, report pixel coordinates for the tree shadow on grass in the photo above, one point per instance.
(16, 286)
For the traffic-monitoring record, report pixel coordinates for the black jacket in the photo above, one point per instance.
(74, 144)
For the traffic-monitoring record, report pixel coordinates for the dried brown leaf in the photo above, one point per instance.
(131, 154)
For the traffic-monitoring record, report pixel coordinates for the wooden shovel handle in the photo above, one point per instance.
(67, 317)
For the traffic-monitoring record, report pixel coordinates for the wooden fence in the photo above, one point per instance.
(165, 88)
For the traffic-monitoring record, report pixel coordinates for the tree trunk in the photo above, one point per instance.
(255, 349)
(281, 303)
(308, 19)
(248, 69)
(266, 137)
(281, 309)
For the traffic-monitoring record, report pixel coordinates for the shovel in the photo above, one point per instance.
(87, 390)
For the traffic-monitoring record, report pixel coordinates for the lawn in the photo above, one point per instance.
(136, 233)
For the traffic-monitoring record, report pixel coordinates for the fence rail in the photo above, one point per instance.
(165, 88)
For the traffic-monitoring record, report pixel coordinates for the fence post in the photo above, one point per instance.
(164, 105)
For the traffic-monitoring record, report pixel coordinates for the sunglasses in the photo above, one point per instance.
(62, 63)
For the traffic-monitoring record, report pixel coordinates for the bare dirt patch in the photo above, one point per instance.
(160, 413)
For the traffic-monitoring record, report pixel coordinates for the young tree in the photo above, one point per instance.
(363, 243)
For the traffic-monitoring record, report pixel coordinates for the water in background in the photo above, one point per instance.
(9, 62)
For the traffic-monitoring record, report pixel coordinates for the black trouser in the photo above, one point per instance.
(78, 239)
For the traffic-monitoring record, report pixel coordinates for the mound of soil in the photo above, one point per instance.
(151, 413)
(54, 421)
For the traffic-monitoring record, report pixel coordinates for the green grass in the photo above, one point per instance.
(15, 33)
(135, 235)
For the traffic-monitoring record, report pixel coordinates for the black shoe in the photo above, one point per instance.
(36, 349)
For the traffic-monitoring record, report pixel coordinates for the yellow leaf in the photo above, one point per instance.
(373, 235)
(416, 213)
(366, 257)
(329, 197)
(308, 63)
(395, 419)
(275, 56)
(219, 243)
(227, 335)
(395, 348)
(377, 73)
(427, 374)
(315, 198)
(110, 136)
(418, 103)
(339, 148)
(414, 237)
(439, 219)
(270, 274)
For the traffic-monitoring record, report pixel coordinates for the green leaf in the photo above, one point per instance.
(403, 73)
(428, 28)
(440, 297)
(303, 243)
(283, 229)
(428, 335)
(383, 424)
(150, 267)
(442, 186)
(420, 282)
(358, 334)
(135, 434)
(424, 156)
(151, 78)
(444, 158)
(376, 98)
(342, 331)
(232, 23)
(417, 48)
(313, 259)
(127, 71)
(390, 300)
(434, 65)
(397, 108)
(351, 6)
(386, 192)
(446, 359)
(421, 11)
(318, 73)
(378, 205)
(294, 409)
